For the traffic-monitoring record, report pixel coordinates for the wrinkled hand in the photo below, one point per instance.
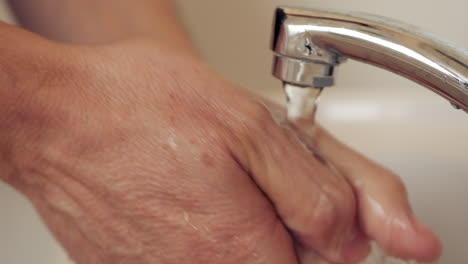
(132, 154)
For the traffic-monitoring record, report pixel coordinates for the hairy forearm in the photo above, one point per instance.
(102, 21)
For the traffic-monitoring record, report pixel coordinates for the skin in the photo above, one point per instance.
(133, 151)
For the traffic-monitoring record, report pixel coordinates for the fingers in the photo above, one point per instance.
(317, 205)
(384, 211)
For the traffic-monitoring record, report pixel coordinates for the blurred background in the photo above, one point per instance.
(394, 121)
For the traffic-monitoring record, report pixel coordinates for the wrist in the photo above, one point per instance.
(16, 119)
(29, 113)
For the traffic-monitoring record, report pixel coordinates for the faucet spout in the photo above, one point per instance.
(308, 44)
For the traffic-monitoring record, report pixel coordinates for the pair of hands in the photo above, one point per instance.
(132, 153)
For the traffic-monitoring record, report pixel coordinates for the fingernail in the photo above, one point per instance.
(430, 245)
(356, 248)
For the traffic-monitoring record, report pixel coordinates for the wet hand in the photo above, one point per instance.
(133, 154)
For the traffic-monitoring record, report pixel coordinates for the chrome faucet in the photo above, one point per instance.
(308, 44)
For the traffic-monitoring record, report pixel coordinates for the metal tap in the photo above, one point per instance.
(309, 44)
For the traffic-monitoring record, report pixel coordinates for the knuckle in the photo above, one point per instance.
(344, 197)
(315, 220)
(398, 185)
(394, 182)
(317, 226)
(325, 212)
(331, 211)
(258, 117)
(253, 127)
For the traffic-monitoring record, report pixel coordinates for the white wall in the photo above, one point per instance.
(5, 14)
(234, 35)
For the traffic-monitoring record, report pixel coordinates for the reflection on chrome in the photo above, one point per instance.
(308, 44)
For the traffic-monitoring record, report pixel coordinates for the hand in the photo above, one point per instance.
(133, 154)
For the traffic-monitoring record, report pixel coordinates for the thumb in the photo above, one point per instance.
(316, 204)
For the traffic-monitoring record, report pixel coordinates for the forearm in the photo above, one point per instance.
(101, 21)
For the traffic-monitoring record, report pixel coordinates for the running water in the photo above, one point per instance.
(302, 105)
(301, 108)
